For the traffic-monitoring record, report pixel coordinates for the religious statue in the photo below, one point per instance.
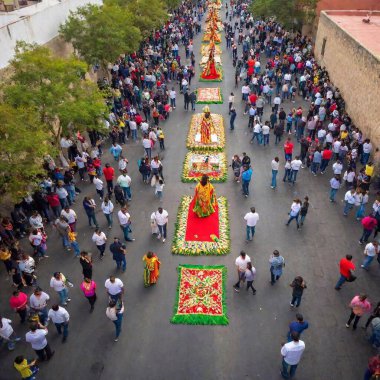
(207, 127)
(210, 72)
(204, 198)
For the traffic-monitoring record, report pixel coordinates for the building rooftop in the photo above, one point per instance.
(367, 35)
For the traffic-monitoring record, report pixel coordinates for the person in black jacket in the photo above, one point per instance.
(118, 251)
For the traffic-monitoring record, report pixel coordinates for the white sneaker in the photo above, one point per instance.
(163, 240)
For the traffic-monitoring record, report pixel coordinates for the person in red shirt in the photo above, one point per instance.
(54, 203)
(373, 367)
(369, 223)
(18, 303)
(252, 99)
(288, 149)
(326, 157)
(109, 174)
(346, 267)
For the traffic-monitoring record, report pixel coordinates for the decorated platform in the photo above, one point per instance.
(217, 135)
(201, 236)
(209, 95)
(201, 295)
(205, 49)
(196, 164)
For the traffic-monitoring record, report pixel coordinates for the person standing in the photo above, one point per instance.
(369, 223)
(115, 288)
(291, 355)
(119, 252)
(288, 149)
(115, 312)
(71, 217)
(88, 287)
(371, 250)
(251, 218)
(298, 285)
(275, 165)
(349, 200)
(335, 183)
(100, 239)
(277, 262)
(250, 274)
(161, 217)
(246, 176)
(27, 368)
(124, 180)
(107, 208)
(85, 261)
(62, 227)
(109, 173)
(232, 114)
(299, 325)
(151, 269)
(58, 283)
(99, 186)
(60, 317)
(7, 333)
(294, 212)
(18, 302)
(125, 222)
(38, 302)
(37, 338)
(241, 266)
(359, 306)
(231, 100)
(89, 206)
(346, 269)
(373, 367)
(304, 210)
(172, 96)
(295, 166)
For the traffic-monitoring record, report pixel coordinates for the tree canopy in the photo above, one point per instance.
(23, 147)
(56, 89)
(291, 14)
(100, 33)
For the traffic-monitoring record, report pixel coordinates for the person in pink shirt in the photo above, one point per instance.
(88, 287)
(359, 306)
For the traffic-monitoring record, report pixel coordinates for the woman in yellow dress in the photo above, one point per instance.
(204, 198)
(151, 269)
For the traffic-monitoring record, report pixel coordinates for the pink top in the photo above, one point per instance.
(88, 288)
(360, 307)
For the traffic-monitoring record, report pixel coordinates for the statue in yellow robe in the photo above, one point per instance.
(204, 198)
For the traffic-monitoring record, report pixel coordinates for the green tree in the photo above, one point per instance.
(23, 147)
(292, 14)
(56, 89)
(100, 33)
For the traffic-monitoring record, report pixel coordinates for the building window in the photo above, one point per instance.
(323, 46)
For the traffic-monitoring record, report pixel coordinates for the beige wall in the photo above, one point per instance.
(355, 71)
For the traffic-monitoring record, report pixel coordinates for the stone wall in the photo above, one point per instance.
(355, 71)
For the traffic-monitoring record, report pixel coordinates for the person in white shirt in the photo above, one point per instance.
(60, 317)
(291, 355)
(231, 100)
(7, 333)
(115, 287)
(172, 96)
(115, 312)
(100, 239)
(266, 130)
(133, 127)
(275, 165)
(371, 250)
(294, 212)
(349, 200)
(37, 338)
(295, 166)
(125, 222)
(99, 186)
(58, 283)
(251, 218)
(107, 208)
(241, 265)
(38, 302)
(70, 216)
(276, 102)
(337, 168)
(161, 217)
(256, 132)
(123, 163)
(367, 149)
(124, 180)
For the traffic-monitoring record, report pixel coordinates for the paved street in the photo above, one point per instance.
(249, 347)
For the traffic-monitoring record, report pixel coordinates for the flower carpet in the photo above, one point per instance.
(209, 96)
(201, 295)
(195, 236)
(196, 164)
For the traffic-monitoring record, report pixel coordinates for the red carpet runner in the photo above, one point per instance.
(200, 229)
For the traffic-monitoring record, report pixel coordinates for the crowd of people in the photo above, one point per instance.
(275, 69)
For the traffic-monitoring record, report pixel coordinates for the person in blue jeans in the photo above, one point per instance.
(246, 179)
(114, 312)
(288, 172)
(291, 355)
(299, 325)
(298, 286)
(251, 218)
(118, 251)
(60, 317)
(335, 184)
(295, 212)
(275, 166)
